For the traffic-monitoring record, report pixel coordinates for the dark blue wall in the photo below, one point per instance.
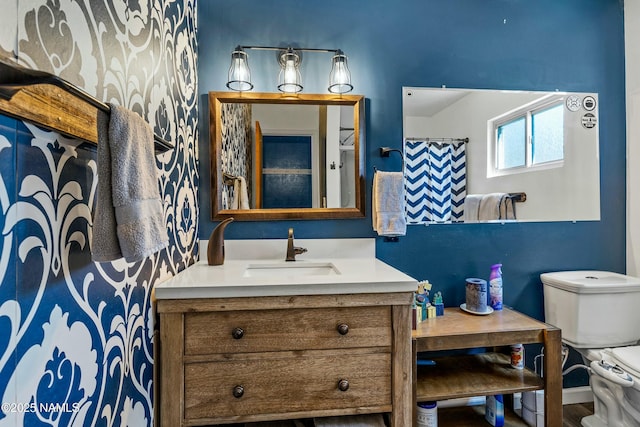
(569, 45)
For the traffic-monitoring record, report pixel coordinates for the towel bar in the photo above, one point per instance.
(518, 197)
(14, 78)
(228, 178)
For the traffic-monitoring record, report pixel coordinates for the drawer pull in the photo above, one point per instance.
(343, 329)
(343, 385)
(237, 333)
(238, 391)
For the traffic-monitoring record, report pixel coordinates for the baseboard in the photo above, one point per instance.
(577, 395)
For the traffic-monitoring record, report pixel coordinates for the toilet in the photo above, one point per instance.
(599, 315)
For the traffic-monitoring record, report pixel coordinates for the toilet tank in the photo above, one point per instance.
(594, 309)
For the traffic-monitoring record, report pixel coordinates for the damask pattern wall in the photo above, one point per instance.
(76, 337)
(236, 156)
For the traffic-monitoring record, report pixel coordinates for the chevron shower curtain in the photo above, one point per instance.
(435, 181)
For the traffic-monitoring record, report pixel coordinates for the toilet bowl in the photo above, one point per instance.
(616, 390)
(599, 315)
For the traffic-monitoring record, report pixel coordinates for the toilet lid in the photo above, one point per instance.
(628, 358)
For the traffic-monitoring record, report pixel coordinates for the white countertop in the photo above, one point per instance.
(352, 275)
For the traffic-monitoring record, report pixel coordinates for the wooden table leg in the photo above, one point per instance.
(553, 377)
(402, 366)
(414, 383)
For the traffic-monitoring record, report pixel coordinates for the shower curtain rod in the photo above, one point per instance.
(438, 140)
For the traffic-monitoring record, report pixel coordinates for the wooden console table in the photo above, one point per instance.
(486, 373)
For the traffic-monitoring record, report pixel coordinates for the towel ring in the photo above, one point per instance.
(386, 152)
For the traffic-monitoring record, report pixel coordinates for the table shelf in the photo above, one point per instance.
(464, 376)
(486, 372)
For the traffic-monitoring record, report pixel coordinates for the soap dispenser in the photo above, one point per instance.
(215, 248)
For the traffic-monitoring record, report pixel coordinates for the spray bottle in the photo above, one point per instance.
(495, 287)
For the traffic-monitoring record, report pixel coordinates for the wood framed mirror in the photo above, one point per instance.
(276, 156)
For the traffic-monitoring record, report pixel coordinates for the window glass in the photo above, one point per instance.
(547, 134)
(512, 144)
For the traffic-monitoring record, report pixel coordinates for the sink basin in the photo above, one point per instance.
(291, 269)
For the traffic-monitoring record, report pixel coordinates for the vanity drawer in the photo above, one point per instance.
(288, 385)
(291, 329)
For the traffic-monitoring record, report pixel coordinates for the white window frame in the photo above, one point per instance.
(526, 112)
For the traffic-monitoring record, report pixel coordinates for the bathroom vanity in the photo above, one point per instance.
(262, 339)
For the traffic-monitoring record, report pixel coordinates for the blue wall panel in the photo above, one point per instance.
(572, 45)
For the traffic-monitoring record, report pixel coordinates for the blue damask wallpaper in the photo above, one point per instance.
(76, 337)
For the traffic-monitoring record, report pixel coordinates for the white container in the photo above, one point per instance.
(533, 408)
(594, 309)
(533, 419)
(427, 414)
(494, 410)
(533, 400)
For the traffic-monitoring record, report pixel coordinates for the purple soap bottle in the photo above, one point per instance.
(495, 287)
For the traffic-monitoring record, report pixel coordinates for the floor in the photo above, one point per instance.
(572, 414)
(472, 416)
(463, 417)
(469, 416)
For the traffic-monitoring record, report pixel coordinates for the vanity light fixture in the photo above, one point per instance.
(340, 77)
(239, 72)
(289, 79)
(289, 60)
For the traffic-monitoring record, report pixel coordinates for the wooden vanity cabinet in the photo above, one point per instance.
(234, 360)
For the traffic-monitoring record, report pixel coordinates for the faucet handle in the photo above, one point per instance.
(291, 232)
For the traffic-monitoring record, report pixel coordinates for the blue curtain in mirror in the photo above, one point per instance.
(435, 181)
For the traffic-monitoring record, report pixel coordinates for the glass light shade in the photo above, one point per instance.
(340, 77)
(239, 73)
(289, 79)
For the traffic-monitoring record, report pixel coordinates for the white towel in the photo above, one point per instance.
(472, 207)
(240, 193)
(490, 207)
(388, 213)
(128, 221)
(235, 201)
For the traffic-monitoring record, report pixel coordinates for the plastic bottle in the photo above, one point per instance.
(427, 414)
(495, 287)
(494, 410)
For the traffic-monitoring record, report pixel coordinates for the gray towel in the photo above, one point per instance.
(496, 206)
(128, 221)
(507, 208)
(388, 214)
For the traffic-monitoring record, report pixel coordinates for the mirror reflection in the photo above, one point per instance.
(286, 157)
(475, 155)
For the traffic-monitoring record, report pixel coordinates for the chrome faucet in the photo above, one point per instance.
(292, 250)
